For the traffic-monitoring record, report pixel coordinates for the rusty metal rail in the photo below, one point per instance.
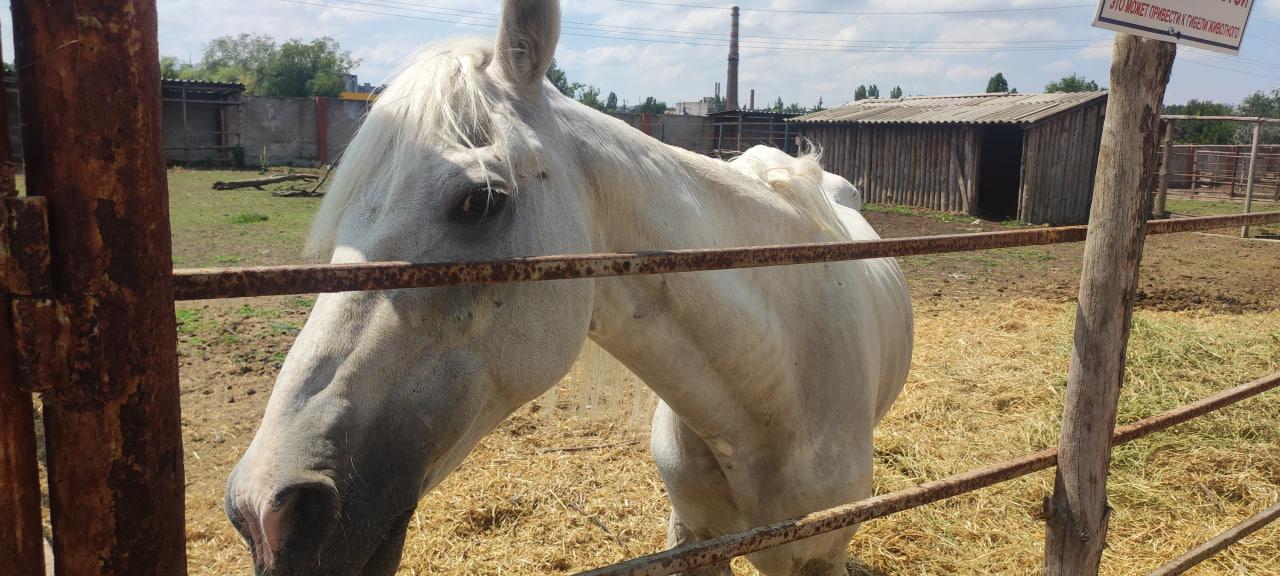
(281, 280)
(730, 546)
(1219, 543)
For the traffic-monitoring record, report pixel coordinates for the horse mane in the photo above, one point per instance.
(798, 180)
(441, 94)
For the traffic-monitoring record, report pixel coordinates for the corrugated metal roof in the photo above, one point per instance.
(963, 109)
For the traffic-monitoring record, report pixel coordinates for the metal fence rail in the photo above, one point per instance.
(730, 546)
(284, 280)
(1219, 543)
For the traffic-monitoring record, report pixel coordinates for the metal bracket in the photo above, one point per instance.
(40, 332)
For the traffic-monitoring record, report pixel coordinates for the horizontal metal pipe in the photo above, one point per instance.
(1250, 119)
(281, 280)
(1219, 543)
(730, 546)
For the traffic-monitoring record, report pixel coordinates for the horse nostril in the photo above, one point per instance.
(297, 522)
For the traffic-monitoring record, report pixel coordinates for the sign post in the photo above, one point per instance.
(1142, 61)
(1218, 25)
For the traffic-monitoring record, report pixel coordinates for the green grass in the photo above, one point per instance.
(249, 227)
(1203, 207)
(249, 218)
(939, 216)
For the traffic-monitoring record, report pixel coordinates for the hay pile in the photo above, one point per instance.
(987, 385)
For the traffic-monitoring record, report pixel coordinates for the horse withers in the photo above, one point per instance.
(770, 380)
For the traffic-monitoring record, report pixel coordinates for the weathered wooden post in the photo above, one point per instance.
(1195, 176)
(1248, 187)
(1078, 513)
(89, 76)
(21, 549)
(1162, 197)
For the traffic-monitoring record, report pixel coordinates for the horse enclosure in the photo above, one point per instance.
(88, 320)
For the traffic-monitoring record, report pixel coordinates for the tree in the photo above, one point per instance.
(300, 68)
(590, 96)
(997, 83)
(794, 108)
(611, 105)
(860, 93)
(778, 106)
(1259, 104)
(896, 92)
(1072, 83)
(652, 105)
(295, 68)
(873, 91)
(561, 81)
(819, 107)
(1202, 131)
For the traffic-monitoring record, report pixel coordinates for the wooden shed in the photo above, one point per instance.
(1029, 157)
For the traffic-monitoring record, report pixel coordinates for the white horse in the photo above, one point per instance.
(771, 380)
(839, 190)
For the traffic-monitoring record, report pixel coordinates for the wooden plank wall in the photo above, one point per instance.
(1060, 157)
(926, 166)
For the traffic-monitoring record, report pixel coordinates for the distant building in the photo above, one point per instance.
(1029, 157)
(704, 107)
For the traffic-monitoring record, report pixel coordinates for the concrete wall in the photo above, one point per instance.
(689, 132)
(286, 128)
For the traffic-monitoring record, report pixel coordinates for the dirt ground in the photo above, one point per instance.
(522, 505)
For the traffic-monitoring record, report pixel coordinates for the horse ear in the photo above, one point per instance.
(527, 38)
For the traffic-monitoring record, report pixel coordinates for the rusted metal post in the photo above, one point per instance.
(90, 79)
(1195, 180)
(1248, 187)
(21, 550)
(1162, 197)
(1077, 515)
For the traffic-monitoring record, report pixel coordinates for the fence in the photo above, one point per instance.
(87, 312)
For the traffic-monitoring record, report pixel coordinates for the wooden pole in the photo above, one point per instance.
(21, 546)
(1078, 513)
(1248, 187)
(1191, 162)
(89, 75)
(1162, 197)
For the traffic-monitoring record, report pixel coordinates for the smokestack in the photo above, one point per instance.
(752, 106)
(732, 96)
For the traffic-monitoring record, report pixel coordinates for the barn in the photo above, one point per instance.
(1029, 157)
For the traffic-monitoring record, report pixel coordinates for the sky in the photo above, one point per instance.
(678, 52)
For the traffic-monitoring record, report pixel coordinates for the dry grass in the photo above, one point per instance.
(987, 385)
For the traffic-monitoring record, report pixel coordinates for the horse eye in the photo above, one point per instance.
(483, 203)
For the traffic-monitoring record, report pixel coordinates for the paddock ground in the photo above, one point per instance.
(989, 375)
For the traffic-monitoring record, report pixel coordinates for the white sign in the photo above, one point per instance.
(1216, 25)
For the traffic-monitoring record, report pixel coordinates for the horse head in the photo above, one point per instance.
(384, 393)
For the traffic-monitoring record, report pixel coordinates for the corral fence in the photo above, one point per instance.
(1219, 172)
(87, 316)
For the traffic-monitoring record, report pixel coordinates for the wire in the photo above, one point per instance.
(865, 13)
(885, 49)
(1205, 64)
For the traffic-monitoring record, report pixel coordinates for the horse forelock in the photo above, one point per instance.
(442, 96)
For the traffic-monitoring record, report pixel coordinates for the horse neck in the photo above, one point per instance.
(693, 338)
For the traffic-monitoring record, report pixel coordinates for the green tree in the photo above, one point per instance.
(611, 105)
(652, 105)
(794, 108)
(819, 107)
(1259, 104)
(778, 106)
(1202, 131)
(997, 83)
(305, 69)
(590, 96)
(873, 91)
(170, 69)
(1072, 83)
(561, 81)
(896, 92)
(860, 93)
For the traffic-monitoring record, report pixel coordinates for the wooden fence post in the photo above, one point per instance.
(1078, 513)
(1162, 196)
(89, 76)
(1248, 187)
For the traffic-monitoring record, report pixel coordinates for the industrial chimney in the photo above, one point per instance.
(732, 96)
